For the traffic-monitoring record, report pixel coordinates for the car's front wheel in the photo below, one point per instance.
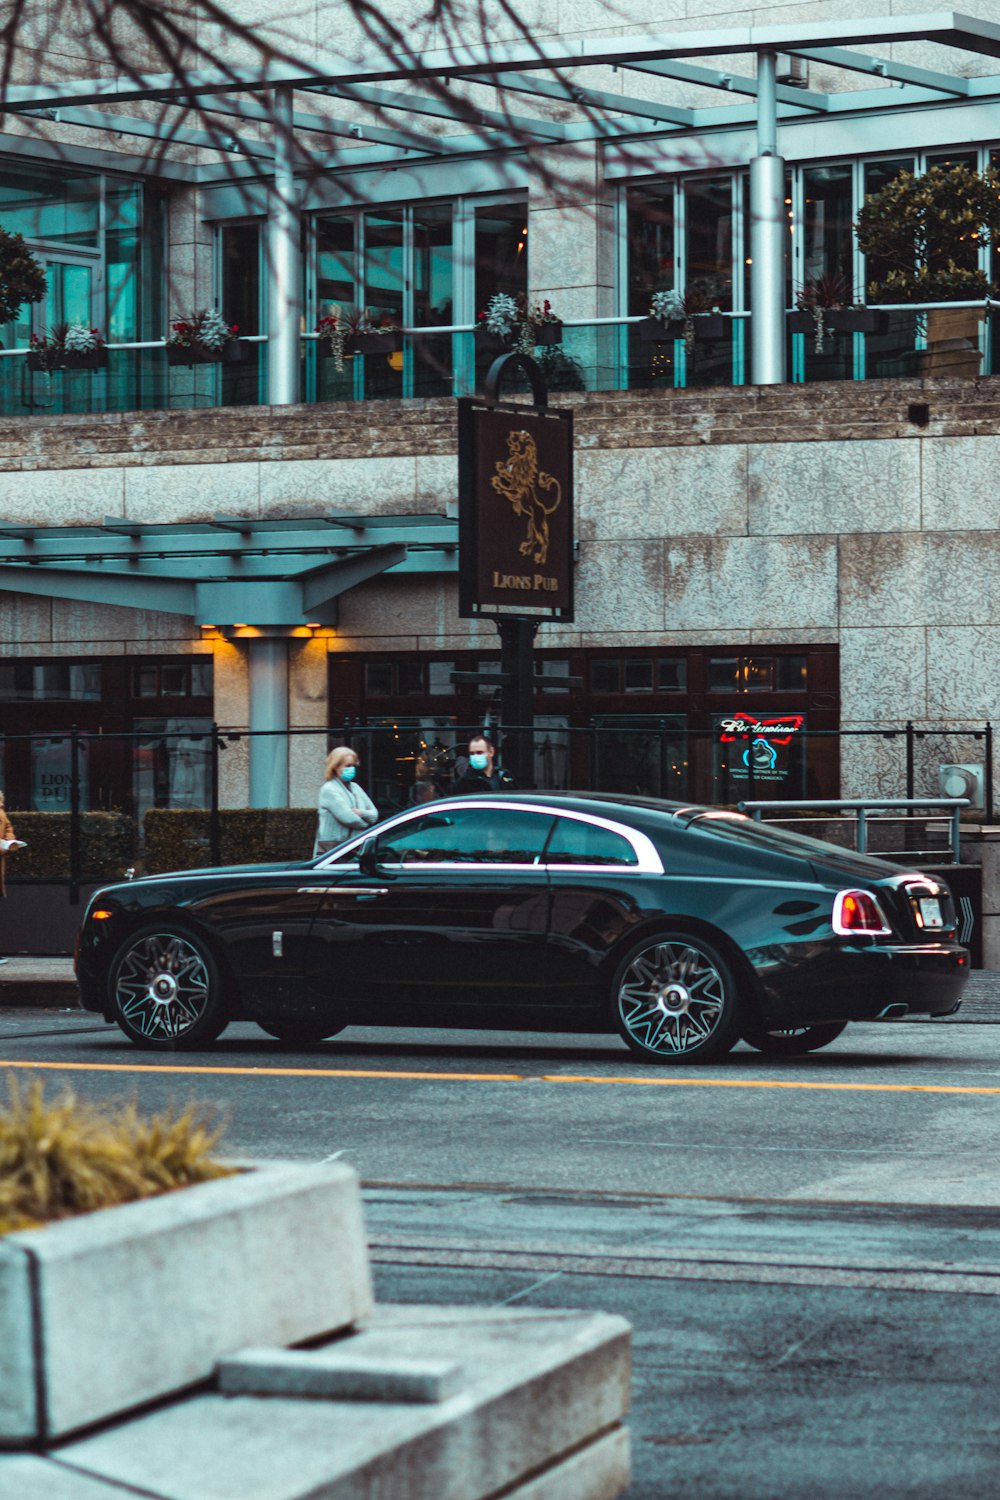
(793, 1041)
(166, 990)
(675, 999)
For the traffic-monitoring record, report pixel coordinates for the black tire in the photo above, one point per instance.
(674, 999)
(166, 991)
(793, 1041)
(301, 1033)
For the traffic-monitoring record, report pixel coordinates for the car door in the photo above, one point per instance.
(599, 876)
(456, 912)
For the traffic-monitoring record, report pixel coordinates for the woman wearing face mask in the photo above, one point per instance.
(344, 809)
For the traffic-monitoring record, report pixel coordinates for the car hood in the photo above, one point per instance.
(252, 871)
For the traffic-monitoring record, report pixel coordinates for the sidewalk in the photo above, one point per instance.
(48, 983)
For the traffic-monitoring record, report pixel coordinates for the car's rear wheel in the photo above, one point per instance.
(166, 990)
(301, 1033)
(792, 1041)
(675, 999)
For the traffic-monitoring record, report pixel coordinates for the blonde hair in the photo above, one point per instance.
(336, 759)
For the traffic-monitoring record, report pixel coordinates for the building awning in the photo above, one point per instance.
(390, 91)
(233, 570)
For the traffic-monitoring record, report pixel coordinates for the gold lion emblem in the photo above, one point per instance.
(519, 480)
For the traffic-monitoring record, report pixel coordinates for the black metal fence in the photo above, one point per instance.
(102, 788)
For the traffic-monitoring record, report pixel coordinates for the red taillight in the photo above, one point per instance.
(858, 912)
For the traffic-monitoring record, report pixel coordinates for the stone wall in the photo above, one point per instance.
(736, 516)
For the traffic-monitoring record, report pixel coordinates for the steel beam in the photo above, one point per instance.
(732, 83)
(466, 113)
(884, 67)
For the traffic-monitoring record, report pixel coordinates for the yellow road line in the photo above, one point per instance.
(414, 1075)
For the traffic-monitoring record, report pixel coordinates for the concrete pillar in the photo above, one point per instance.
(767, 236)
(268, 660)
(284, 262)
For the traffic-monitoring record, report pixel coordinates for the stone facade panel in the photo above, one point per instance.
(750, 583)
(192, 492)
(649, 492)
(373, 486)
(872, 691)
(813, 488)
(947, 578)
(61, 497)
(963, 671)
(619, 586)
(959, 483)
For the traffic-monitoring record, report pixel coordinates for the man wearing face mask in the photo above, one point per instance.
(482, 774)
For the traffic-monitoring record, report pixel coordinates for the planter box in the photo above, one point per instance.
(39, 361)
(547, 334)
(231, 353)
(802, 322)
(492, 343)
(857, 320)
(104, 1312)
(79, 359)
(373, 343)
(653, 331)
(711, 326)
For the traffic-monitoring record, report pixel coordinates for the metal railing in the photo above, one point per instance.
(865, 805)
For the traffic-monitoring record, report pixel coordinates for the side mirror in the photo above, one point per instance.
(367, 857)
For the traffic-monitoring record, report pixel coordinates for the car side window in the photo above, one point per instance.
(474, 835)
(576, 843)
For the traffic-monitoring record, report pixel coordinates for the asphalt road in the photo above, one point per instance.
(809, 1252)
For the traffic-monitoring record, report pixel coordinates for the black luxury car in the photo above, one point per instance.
(683, 928)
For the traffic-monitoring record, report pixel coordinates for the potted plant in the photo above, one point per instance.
(561, 371)
(921, 236)
(68, 346)
(497, 326)
(204, 337)
(826, 306)
(21, 277)
(332, 332)
(687, 316)
(366, 337)
(541, 325)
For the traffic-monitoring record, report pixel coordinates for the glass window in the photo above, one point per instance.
(487, 664)
(651, 265)
(877, 175)
(439, 683)
(172, 764)
(758, 674)
(671, 676)
(501, 251)
(433, 265)
(709, 241)
(144, 682)
(829, 224)
(52, 774)
(639, 676)
(553, 668)
(50, 206)
(378, 679)
(50, 682)
(791, 674)
(201, 676)
(335, 264)
(174, 681)
(473, 835)
(723, 674)
(574, 843)
(605, 676)
(241, 306)
(410, 676)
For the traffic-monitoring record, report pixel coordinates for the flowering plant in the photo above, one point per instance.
(61, 339)
(516, 320)
(338, 327)
(502, 316)
(672, 306)
(206, 327)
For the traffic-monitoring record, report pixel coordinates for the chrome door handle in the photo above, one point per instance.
(343, 890)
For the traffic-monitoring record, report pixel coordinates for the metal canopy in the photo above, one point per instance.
(550, 69)
(275, 574)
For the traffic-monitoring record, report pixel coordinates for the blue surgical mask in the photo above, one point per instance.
(348, 773)
(479, 762)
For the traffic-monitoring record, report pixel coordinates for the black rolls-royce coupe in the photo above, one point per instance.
(682, 928)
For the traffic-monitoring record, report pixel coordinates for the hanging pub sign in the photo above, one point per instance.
(515, 508)
(765, 740)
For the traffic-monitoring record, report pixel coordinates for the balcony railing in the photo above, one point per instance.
(602, 354)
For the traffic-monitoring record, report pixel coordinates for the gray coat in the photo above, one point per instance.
(344, 809)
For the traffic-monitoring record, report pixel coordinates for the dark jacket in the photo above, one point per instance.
(474, 783)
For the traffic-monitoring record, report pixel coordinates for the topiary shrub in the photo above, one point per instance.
(108, 845)
(922, 235)
(179, 838)
(65, 1158)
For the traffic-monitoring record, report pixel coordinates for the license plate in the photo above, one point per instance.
(930, 911)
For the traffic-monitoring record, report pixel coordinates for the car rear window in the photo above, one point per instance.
(740, 830)
(577, 843)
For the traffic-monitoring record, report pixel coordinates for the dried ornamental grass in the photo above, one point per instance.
(61, 1158)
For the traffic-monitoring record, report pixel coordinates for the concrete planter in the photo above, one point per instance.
(107, 1311)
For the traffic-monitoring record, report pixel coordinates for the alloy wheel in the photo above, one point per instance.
(674, 999)
(162, 987)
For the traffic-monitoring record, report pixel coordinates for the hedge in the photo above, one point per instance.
(178, 839)
(108, 845)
